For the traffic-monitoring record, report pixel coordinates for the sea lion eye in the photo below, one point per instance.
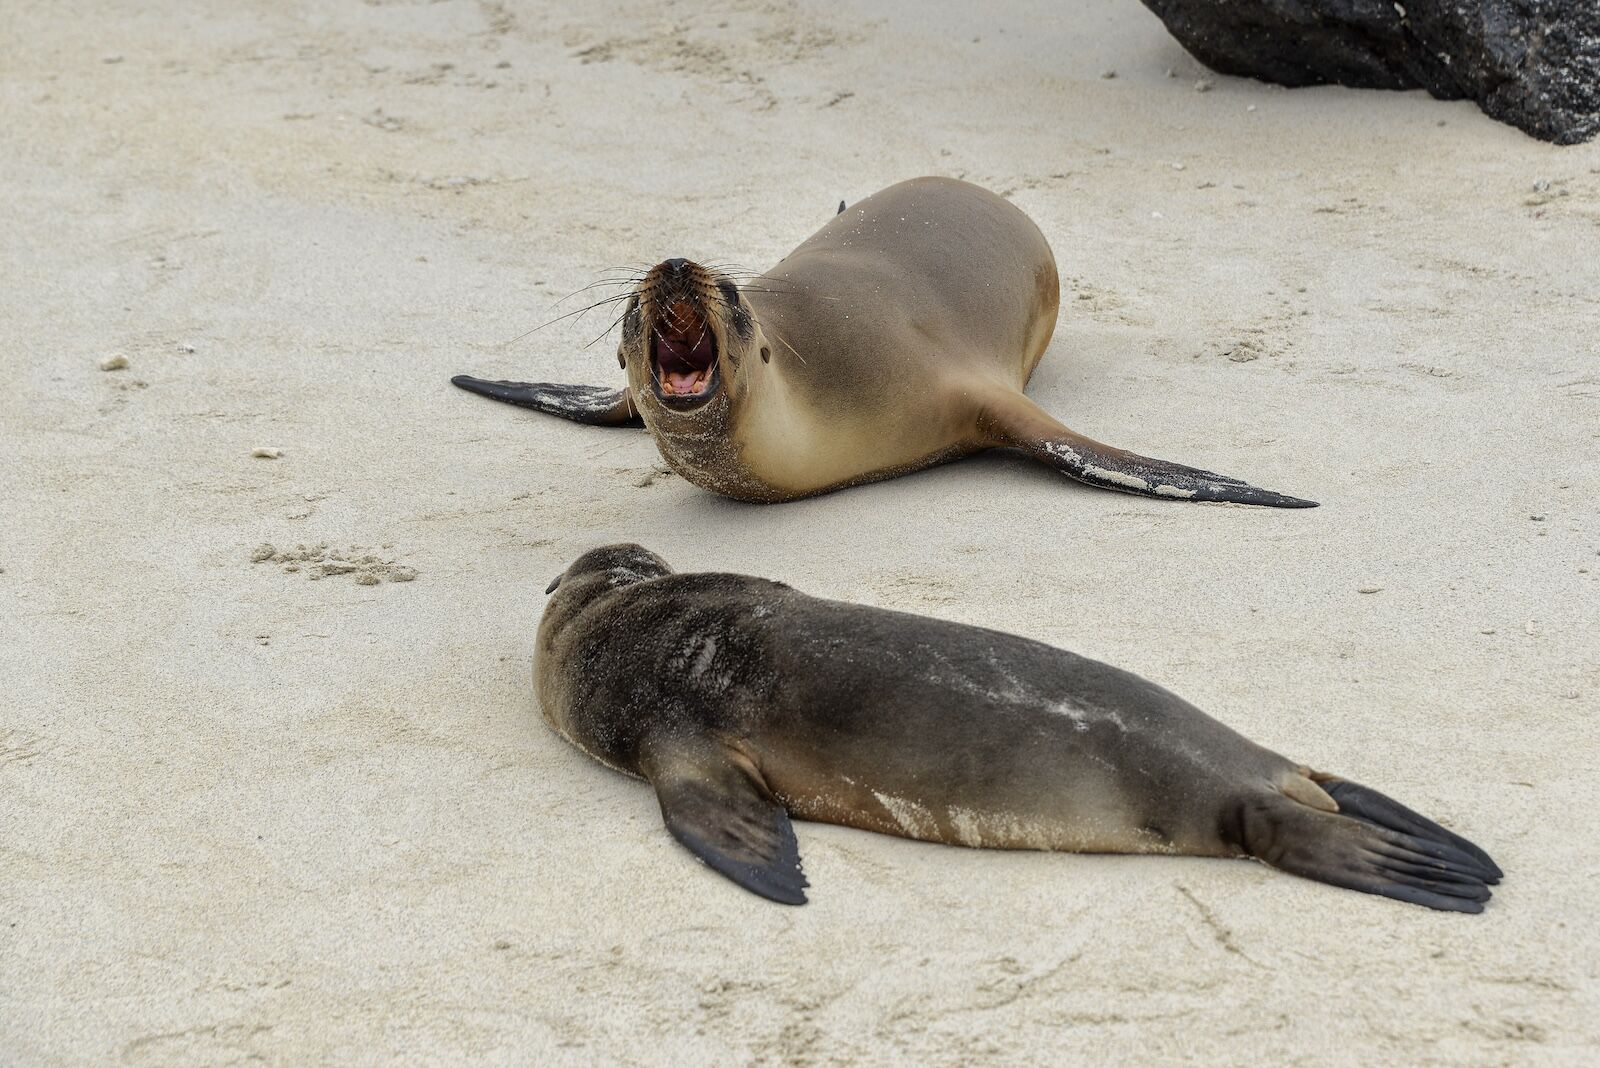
(738, 315)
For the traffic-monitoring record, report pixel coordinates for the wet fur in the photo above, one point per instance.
(933, 730)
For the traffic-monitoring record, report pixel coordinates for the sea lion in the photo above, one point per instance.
(743, 702)
(898, 336)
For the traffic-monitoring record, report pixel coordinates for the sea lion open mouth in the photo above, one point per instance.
(683, 357)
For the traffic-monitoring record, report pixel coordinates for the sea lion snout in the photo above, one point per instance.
(677, 279)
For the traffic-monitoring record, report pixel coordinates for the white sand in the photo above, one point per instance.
(248, 814)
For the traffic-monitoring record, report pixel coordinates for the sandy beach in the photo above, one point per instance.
(273, 783)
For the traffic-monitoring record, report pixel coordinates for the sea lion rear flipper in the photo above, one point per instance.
(1368, 805)
(1016, 421)
(594, 405)
(1373, 844)
(716, 805)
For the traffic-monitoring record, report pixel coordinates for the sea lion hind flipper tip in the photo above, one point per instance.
(592, 405)
(1350, 851)
(715, 810)
(1248, 494)
(1015, 420)
(1131, 473)
(1370, 806)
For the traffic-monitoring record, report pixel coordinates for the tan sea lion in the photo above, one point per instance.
(743, 701)
(898, 336)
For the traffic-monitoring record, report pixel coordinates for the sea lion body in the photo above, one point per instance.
(760, 701)
(899, 335)
(875, 316)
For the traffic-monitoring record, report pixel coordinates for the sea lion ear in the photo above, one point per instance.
(716, 805)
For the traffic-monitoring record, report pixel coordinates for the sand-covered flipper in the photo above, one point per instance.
(594, 405)
(1014, 420)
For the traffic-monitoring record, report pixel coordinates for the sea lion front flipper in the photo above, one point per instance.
(716, 805)
(1014, 420)
(594, 405)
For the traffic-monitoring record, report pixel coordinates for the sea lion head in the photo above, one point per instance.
(686, 335)
(609, 567)
(566, 629)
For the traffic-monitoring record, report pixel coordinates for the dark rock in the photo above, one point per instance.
(1532, 63)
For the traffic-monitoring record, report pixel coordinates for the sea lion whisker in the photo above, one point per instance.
(600, 303)
(764, 276)
(779, 338)
(731, 270)
(637, 270)
(677, 319)
(630, 283)
(770, 288)
(705, 324)
(610, 328)
(769, 292)
(618, 280)
(570, 314)
(620, 277)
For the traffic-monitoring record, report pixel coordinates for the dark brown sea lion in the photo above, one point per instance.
(743, 701)
(898, 336)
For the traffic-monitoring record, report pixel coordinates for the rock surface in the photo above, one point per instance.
(1532, 63)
